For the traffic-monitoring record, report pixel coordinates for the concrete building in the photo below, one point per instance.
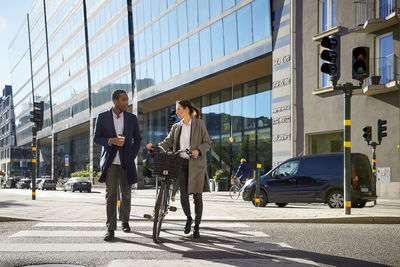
(251, 66)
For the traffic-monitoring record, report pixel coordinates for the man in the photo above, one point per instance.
(117, 131)
(243, 170)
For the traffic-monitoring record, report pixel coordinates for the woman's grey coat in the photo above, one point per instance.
(199, 139)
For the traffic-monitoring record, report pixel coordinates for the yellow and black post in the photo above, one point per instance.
(348, 90)
(257, 195)
(374, 144)
(34, 162)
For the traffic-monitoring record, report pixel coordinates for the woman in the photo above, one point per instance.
(190, 133)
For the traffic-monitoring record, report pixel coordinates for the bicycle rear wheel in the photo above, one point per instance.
(159, 211)
(234, 192)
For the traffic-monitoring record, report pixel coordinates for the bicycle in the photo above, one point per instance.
(167, 167)
(236, 187)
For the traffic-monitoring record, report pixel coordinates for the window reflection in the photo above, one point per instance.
(216, 40)
(244, 24)
(249, 111)
(230, 33)
(194, 51)
(215, 8)
(205, 46)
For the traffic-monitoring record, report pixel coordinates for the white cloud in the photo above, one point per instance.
(3, 24)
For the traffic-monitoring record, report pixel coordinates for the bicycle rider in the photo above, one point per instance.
(244, 171)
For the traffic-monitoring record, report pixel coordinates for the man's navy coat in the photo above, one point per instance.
(105, 130)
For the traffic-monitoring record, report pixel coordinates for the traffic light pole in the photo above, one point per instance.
(347, 89)
(34, 162)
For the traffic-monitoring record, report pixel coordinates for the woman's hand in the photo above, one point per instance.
(195, 153)
(149, 146)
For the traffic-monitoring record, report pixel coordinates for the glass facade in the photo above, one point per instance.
(109, 51)
(162, 37)
(243, 112)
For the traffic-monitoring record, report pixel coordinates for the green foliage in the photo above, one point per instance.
(86, 173)
(221, 175)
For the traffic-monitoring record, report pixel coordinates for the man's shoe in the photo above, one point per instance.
(126, 228)
(109, 235)
(196, 232)
(188, 225)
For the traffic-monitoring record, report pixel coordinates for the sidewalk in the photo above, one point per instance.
(218, 206)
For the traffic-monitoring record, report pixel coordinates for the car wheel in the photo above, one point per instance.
(281, 205)
(72, 189)
(358, 205)
(80, 191)
(335, 199)
(263, 198)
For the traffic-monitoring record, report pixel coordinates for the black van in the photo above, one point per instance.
(315, 179)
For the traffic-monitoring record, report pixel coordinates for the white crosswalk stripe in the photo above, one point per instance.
(168, 233)
(148, 247)
(140, 224)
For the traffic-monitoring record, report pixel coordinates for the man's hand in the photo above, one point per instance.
(118, 141)
(149, 146)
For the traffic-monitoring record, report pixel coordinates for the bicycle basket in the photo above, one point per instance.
(167, 165)
(234, 180)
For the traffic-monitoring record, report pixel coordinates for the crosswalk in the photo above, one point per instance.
(216, 237)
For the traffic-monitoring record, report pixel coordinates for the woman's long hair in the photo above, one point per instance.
(193, 111)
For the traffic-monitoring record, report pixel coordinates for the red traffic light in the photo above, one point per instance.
(360, 62)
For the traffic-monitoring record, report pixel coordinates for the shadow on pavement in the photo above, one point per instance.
(6, 204)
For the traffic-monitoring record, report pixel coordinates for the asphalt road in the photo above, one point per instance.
(221, 244)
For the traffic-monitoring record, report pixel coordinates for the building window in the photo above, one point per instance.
(386, 58)
(386, 7)
(328, 14)
(325, 143)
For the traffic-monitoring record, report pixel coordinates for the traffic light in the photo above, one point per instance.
(381, 129)
(360, 63)
(331, 55)
(37, 115)
(367, 134)
(171, 119)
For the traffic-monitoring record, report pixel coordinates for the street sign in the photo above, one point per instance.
(66, 159)
(23, 164)
(383, 175)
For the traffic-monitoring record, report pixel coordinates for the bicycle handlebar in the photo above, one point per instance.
(158, 148)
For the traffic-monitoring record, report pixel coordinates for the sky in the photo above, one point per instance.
(12, 14)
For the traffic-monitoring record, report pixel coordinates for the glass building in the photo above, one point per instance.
(216, 53)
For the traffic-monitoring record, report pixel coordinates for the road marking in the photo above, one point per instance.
(142, 224)
(172, 233)
(149, 247)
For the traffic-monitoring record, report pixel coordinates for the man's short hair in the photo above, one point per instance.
(116, 93)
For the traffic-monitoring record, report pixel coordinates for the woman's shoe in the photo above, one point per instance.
(196, 232)
(188, 225)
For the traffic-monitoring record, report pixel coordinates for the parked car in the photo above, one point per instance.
(315, 179)
(10, 183)
(78, 183)
(24, 183)
(38, 182)
(47, 184)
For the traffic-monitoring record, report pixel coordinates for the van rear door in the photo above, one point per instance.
(362, 179)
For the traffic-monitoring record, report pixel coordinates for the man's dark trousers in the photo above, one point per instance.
(115, 176)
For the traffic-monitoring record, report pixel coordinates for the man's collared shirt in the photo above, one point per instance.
(119, 129)
(184, 140)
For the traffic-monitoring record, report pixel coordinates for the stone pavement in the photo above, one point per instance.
(218, 206)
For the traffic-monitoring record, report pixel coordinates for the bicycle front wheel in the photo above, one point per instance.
(234, 192)
(159, 211)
